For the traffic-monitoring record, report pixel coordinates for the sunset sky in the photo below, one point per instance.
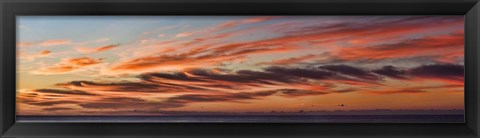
(129, 65)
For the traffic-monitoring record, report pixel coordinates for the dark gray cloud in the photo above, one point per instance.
(58, 91)
(57, 109)
(297, 92)
(128, 103)
(50, 103)
(188, 98)
(239, 78)
(451, 71)
(391, 71)
(185, 99)
(350, 71)
(142, 86)
(180, 76)
(300, 72)
(444, 71)
(121, 86)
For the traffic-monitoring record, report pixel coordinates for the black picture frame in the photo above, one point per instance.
(11, 8)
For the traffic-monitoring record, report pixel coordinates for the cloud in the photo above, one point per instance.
(401, 91)
(301, 72)
(68, 65)
(96, 49)
(136, 87)
(350, 71)
(446, 73)
(237, 97)
(432, 45)
(391, 71)
(414, 90)
(45, 52)
(121, 87)
(270, 76)
(129, 104)
(180, 89)
(439, 71)
(289, 61)
(449, 73)
(68, 92)
(185, 99)
(297, 92)
(379, 28)
(55, 42)
(57, 109)
(28, 56)
(211, 33)
(232, 97)
(384, 31)
(50, 103)
(52, 42)
(179, 76)
(196, 57)
(24, 44)
(205, 81)
(184, 34)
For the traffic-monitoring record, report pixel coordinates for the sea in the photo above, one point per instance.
(250, 119)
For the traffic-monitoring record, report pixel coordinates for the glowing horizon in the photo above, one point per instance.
(113, 65)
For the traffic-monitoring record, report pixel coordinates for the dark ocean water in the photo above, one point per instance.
(254, 118)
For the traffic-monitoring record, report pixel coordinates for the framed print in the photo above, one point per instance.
(239, 68)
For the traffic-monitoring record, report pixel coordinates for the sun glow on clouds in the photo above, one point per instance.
(245, 62)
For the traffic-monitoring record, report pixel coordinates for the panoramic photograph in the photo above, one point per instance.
(240, 69)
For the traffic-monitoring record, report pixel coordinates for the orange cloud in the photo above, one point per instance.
(83, 61)
(45, 52)
(69, 65)
(96, 49)
(445, 45)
